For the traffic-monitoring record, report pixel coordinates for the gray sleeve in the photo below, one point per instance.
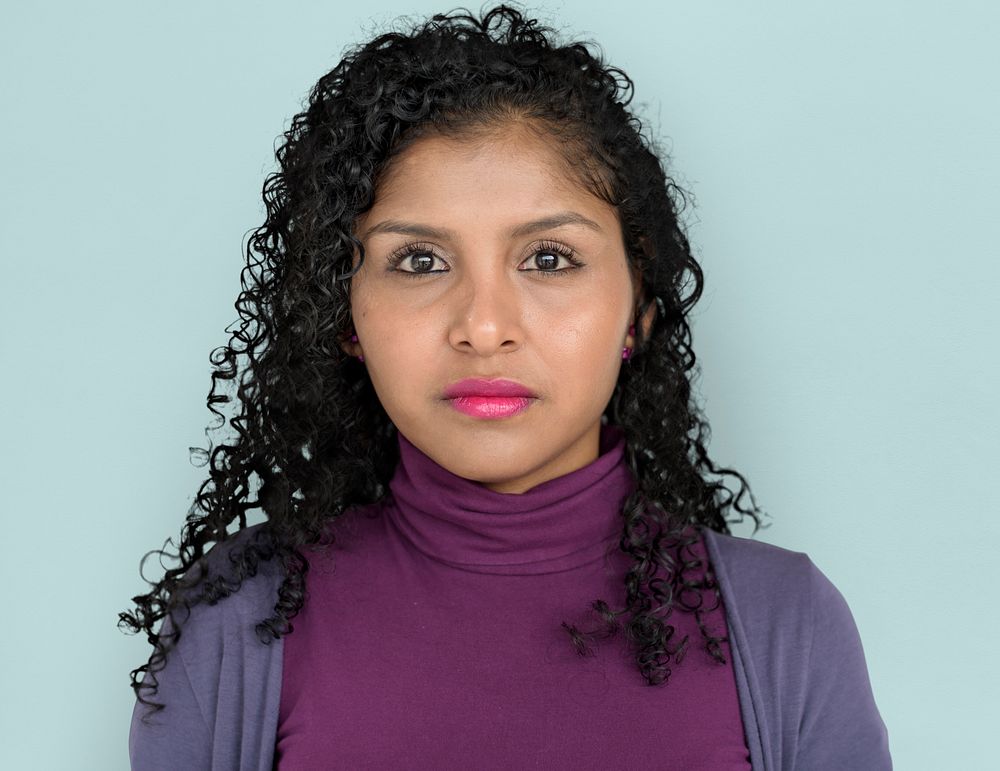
(840, 724)
(178, 736)
(221, 685)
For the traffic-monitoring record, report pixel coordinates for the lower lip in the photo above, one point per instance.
(491, 407)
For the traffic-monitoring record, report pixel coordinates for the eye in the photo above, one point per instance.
(419, 257)
(545, 256)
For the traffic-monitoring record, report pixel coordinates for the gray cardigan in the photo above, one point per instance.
(805, 696)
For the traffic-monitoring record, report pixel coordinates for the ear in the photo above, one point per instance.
(646, 322)
(639, 294)
(348, 346)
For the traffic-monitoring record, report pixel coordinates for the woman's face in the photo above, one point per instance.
(485, 290)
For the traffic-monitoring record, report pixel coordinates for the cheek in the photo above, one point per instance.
(583, 345)
(395, 346)
(595, 322)
(398, 353)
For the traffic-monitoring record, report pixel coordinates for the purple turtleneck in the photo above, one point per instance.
(431, 637)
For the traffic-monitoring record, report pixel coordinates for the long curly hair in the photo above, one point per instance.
(313, 439)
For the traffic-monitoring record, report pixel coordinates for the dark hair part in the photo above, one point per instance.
(312, 433)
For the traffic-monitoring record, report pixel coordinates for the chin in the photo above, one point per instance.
(484, 469)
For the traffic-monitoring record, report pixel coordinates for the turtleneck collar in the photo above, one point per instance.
(557, 525)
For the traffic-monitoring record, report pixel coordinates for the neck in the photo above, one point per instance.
(556, 525)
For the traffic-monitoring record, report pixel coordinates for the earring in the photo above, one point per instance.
(626, 351)
(354, 339)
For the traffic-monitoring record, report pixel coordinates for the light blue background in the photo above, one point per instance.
(845, 164)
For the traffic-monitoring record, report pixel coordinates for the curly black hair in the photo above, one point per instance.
(312, 436)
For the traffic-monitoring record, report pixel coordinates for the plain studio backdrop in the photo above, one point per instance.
(844, 161)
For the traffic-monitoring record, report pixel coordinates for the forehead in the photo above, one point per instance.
(513, 153)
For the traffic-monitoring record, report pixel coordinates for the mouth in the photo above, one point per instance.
(491, 407)
(489, 399)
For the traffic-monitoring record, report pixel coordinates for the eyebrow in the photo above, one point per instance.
(426, 231)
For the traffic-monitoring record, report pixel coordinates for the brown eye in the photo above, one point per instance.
(546, 260)
(421, 262)
(414, 260)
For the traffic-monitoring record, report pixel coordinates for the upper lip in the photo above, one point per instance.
(481, 387)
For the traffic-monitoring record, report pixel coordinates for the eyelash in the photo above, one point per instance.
(552, 247)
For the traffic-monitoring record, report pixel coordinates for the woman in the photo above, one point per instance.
(490, 511)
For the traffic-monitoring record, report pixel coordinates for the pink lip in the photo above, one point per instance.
(480, 387)
(489, 399)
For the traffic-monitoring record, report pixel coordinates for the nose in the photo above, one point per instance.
(487, 314)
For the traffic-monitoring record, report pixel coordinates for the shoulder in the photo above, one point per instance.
(768, 582)
(249, 599)
(800, 657)
(756, 559)
(220, 683)
(219, 559)
(783, 606)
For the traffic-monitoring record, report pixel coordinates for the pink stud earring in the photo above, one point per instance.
(626, 351)
(354, 339)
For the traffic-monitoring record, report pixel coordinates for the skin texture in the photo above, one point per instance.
(492, 313)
